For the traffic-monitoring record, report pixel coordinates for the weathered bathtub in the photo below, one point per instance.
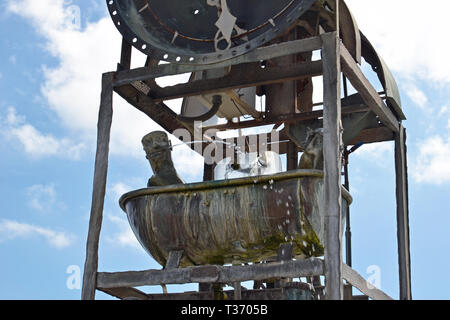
(231, 221)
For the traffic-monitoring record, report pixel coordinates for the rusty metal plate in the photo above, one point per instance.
(203, 31)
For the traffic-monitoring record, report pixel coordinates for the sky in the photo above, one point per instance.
(52, 55)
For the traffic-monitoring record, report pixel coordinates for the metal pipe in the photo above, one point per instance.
(348, 232)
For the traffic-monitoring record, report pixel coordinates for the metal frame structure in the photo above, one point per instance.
(134, 86)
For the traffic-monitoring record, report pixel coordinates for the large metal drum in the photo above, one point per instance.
(231, 221)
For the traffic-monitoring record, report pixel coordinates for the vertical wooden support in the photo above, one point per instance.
(404, 258)
(237, 291)
(332, 165)
(125, 55)
(208, 172)
(99, 188)
(292, 156)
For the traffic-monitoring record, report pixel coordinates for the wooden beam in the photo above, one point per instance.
(368, 93)
(243, 104)
(289, 118)
(99, 187)
(158, 112)
(241, 76)
(208, 172)
(373, 135)
(332, 143)
(173, 261)
(125, 56)
(246, 295)
(404, 257)
(259, 54)
(126, 293)
(292, 156)
(212, 274)
(362, 285)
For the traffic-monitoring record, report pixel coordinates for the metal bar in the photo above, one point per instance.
(99, 187)
(348, 231)
(332, 166)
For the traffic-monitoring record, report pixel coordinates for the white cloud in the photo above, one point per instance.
(44, 198)
(432, 164)
(10, 230)
(379, 153)
(408, 36)
(39, 145)
(125, 237)
(444, 110)
(120, 188)
(36, 143)
(188, 163)
(416, 95)
(72, 89)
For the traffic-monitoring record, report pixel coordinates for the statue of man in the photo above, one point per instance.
(312, 158)
(158, 148)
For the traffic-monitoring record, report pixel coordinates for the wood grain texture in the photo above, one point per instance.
(99, 187)
(242, 76)
(362, 285)
(368, 93)
(403, 234)
(332, 143)
(211, 274)
(259, 54)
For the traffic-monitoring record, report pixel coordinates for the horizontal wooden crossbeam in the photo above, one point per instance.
(121, 284)
(264, 53)
(289, 118)
(211, 274)
(246, 295)
(241, 76)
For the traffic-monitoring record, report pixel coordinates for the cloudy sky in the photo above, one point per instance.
(52, 55)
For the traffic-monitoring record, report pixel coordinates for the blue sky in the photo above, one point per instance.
(50, 72)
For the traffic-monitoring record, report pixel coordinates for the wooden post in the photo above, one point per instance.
(292, 156)
(404, 258)
(332, 165)
(208, 172)
(99, 188)
(125, 55)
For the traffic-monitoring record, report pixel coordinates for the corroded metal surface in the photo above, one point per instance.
(203, 31)
(231, 221)
(385, 76)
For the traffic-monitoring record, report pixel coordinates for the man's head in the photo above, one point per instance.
(156, 143)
